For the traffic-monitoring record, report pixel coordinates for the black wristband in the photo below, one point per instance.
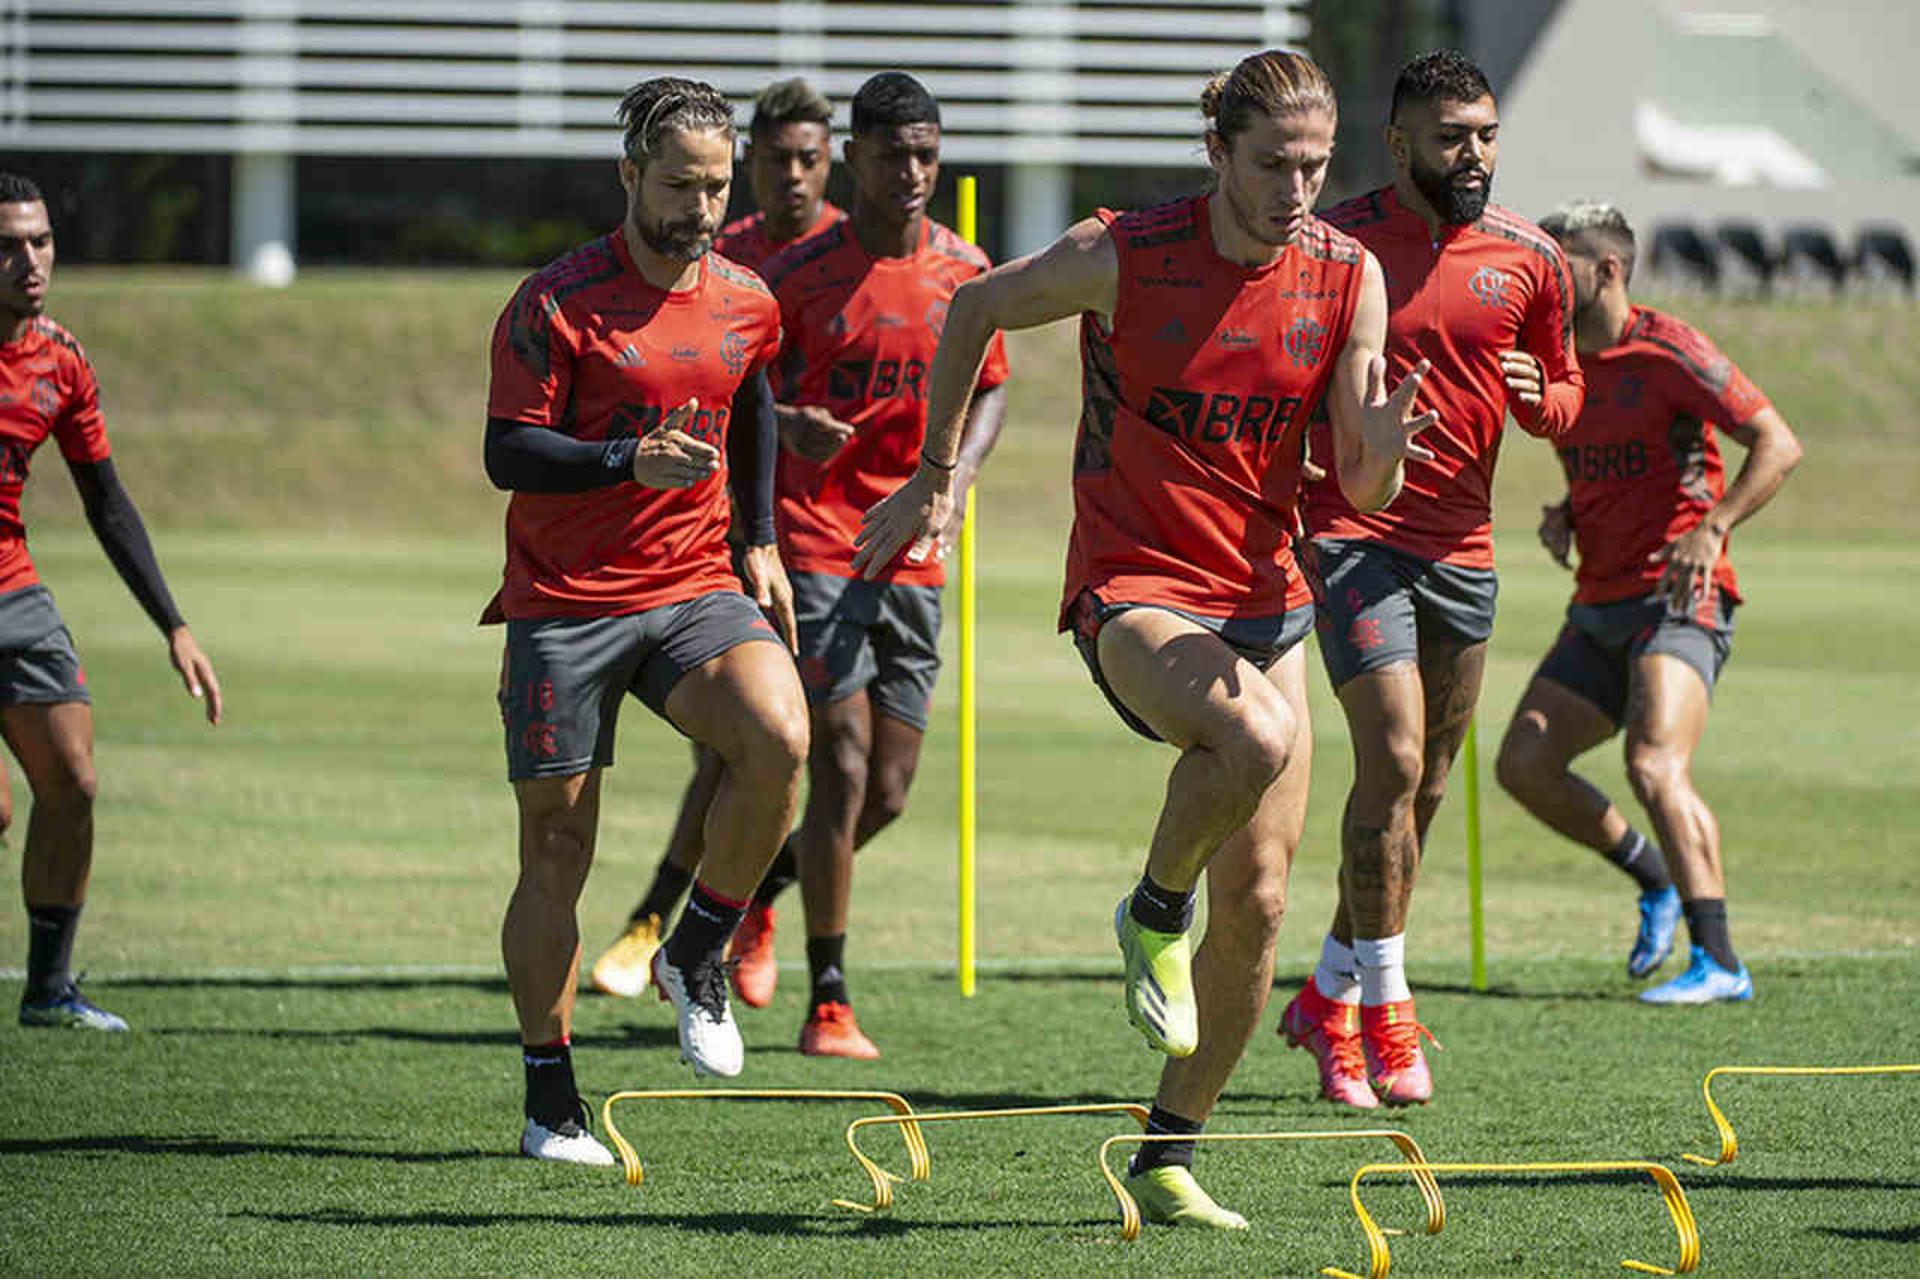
(944, 467)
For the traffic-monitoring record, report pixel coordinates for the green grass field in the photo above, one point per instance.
(299, 911)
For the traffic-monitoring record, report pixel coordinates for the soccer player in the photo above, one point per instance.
(47, 388)
(1210, 328)
(787, 159)
(1651, 621)
(862, 306)
(1406, 594)
(628, 387)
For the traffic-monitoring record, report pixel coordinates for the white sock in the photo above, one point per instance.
(1337, 975)
(1383, 973)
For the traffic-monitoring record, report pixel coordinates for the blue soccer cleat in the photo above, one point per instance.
(1659, 916)
(1704, 982)
(68, 1008)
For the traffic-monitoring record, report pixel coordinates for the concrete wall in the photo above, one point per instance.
(1567, 122)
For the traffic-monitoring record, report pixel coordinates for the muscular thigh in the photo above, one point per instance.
(1180, 679)
(748, 692)
(1450, 676)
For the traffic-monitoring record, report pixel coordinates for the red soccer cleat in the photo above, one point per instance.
(1397, 1068)
(1331, 1032)
(832, 1032)
(754, 971)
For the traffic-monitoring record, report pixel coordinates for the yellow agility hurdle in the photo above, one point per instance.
(1379, 1260)
(1730, 1147)
(882, 1179)
(1130, 1211)
(630, 1161)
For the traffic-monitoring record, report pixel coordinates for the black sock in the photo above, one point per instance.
(552, 1098)
(669, 885)
(782, 871)
(1707, 925)
(1154, 1154)
(1640, 857)
(1164, 910)
(824, 959)
(703, 929)
(50, 932)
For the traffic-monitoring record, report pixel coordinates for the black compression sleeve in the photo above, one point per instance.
(117, 524)
(534, 459)
(752, 447)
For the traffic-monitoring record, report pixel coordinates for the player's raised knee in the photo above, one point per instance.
(1525, 761)
(1654, 770)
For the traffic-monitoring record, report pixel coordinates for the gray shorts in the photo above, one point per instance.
(562, 678)
(1594, 654)
(880, 636)
(1261, 641)
(1375, 602)
(38, 664)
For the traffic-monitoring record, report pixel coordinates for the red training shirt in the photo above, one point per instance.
(1486, 287)
(861, 332)
(1196, 397)
(590, 348)
(1642, 463)
(47, 388)
(745, 239)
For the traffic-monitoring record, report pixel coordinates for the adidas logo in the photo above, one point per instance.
(1171, 331)
(630, 358)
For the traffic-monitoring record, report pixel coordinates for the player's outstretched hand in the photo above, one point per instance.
(669, 458)
(1688, 574)
(196, 672)
(910, 518)
(809, 431)
(1556, 533)
(765, 578)
(1526, 379)
(1388, 422)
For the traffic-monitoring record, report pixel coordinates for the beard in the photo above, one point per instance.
(1456, 205)
(681, 241)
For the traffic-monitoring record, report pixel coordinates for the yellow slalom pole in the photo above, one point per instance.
(966, 214)
(1476, 919)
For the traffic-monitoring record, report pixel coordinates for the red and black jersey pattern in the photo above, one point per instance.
(861, 333)
(1643, 462)
(1196, 395)
(1496, 285)
(745, 241)
(47, 387)
(588, 347)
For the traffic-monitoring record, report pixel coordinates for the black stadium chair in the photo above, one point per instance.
(1810, 260)
(1746, 259)
(1683, 260)
(1883, 260)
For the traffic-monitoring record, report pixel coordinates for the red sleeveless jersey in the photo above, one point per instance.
(1196, 397)
(1642, 464)
(1494, 285)
(46, 388)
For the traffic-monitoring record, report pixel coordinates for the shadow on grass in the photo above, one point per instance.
(209, 1147)
(1893, 1234)
(1771, 1184)
(485, 985)
(629, 1037)
(802, 1224)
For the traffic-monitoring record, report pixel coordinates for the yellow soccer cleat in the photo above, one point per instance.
(1170, 1196)
(624, 969)
(1160, 1000)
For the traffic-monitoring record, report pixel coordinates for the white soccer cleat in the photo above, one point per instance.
(709, 1041)
(567, 1144)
